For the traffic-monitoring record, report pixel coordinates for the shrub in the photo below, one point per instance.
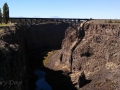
(110, 21)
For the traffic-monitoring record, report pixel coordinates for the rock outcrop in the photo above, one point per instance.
(12, 64)
(98, 54)
(82, 80)
(22, 49)
(90, 47)
(73, 36)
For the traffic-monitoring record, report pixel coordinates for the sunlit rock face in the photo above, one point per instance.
(41, 84)
(97, 54)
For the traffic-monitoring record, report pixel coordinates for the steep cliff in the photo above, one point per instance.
(12, 60)
(97, 54)
(88, 55)
(22, 49)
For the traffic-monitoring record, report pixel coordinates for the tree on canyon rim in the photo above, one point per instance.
(5, 13)
(0, 16)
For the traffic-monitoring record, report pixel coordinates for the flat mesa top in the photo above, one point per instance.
(105, 21)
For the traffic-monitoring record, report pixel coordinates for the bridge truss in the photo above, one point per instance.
(31, 21)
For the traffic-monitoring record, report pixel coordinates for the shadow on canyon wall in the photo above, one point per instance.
(36, 42)
(82, 80)
(56, 79)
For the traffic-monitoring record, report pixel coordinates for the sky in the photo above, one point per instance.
(96, 9)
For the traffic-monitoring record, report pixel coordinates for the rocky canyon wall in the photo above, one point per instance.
(97, 54)
(21, 49)
(93, 48)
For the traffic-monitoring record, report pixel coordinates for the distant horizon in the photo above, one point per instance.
(96, 9)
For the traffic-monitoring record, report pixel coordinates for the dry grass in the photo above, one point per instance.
(3, 24)
(110, 21)
(46, 58)
(108, 84)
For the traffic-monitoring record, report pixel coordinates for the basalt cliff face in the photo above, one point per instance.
(95, 41)
(22, 49)
(93, 49)
(86, 57)
(12, 63)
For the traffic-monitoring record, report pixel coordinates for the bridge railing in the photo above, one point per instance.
(41, 20)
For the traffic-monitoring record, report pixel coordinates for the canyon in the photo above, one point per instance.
(85, 56)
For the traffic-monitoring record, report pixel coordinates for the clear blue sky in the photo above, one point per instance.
(109, 9)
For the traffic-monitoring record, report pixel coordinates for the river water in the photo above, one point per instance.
(41, 84)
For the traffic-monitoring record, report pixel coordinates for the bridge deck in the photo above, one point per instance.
(30, 21)
(50, 18)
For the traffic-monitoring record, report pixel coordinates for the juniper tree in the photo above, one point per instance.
(5, 13)
(0, 16)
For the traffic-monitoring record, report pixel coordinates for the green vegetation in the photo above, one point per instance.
(0, 16)
(112, 21)
(117, 21)
(5, 13)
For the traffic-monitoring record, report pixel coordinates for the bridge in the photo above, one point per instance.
(31, 21)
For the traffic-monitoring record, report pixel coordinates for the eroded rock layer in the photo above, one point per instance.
(89, 54)
(97, 54)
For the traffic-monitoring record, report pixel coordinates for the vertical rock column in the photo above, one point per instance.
(73, 37)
